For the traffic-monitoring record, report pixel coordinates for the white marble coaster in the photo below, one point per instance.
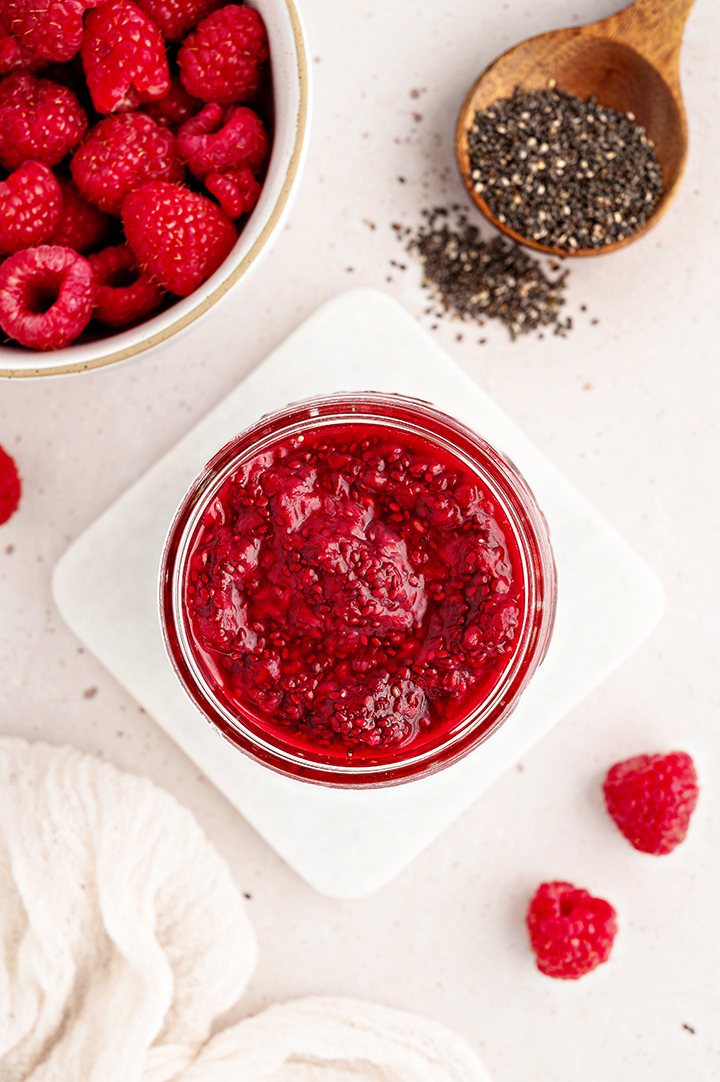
(106, 588)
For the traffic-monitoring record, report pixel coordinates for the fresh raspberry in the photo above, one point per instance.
(123, 54)
(651, 798)
(237, 192)
(15, 56)
(220, 60)
(10, 487)
(220, 139)
(46, 296)
(82, 226)
(30, 207)
(39, 119)
(175, 108)
(51, 28)
(120, 154)
(124, 293)
(176, 17)
(179, 238)
(570, 931)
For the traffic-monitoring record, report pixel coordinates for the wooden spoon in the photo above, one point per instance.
(629, 62)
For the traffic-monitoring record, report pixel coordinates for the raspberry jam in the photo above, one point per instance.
(357, 589)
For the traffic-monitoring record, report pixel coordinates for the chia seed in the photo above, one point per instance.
(474, 279)
(564, 172)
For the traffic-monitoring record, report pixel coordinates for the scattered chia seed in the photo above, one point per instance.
(566, 173)
(472, 278)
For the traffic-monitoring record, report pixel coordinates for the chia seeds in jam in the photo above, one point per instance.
(353, 589)
(564, 172)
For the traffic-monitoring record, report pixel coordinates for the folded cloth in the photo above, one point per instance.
(333, 1039)
(123, 937)
(121, 927)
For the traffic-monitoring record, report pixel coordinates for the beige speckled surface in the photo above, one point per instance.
(626, 408)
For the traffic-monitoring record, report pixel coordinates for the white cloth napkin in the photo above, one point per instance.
(123, 937)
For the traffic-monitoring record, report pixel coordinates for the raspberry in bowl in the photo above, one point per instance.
(356, 590)
(118, 130)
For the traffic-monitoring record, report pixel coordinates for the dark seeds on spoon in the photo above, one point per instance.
(564, 172)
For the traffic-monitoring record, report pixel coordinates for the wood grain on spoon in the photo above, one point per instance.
(629, 62)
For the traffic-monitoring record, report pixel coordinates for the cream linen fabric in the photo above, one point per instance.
(124, 937)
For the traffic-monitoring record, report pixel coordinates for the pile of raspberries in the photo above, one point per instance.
(129, 151)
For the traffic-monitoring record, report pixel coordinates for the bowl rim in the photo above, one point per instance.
(64, 366)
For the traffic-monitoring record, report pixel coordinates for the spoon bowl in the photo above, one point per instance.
(628, 62)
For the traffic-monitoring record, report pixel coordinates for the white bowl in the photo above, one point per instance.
(291, 103)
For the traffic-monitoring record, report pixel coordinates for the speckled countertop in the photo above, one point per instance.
(625, 405)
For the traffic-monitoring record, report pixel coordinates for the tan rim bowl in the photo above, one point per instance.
(291, 102)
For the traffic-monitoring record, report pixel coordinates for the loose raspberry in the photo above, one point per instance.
(570, 931)
(123, 54)
(221, 59)
(82, 226)
(10, 487)
(219, 139)
(651, 798)
(237, 192)
(124, 293)
(39, 119)
(30, 207)
(120, 154)
(178, 237)
(51, 28)
(176, 17)
(175, 108)
(46, 296)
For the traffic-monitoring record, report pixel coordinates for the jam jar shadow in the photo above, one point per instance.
(356, 590)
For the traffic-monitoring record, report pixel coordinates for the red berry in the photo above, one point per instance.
(176, 17)
(124, 293)
(39, 119)
(237, 192)
(651, 798)
(120, 154)
(123, 54)
(220, 60)
(175, 108)
(10, 487)
(14, 55)
(219, 139)
(30, 207)
(570, 931)
(46, 296)
(51, 28)
(82, 226)
(179, 238)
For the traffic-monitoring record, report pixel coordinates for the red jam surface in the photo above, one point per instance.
(353, 590)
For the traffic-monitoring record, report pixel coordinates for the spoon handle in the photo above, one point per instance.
(654, 28)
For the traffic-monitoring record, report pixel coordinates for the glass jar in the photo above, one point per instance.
(356, 590)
